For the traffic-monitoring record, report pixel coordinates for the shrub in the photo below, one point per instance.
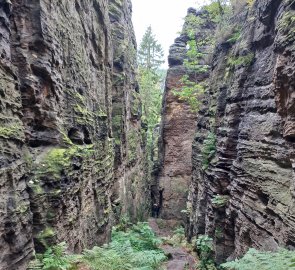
(177, 239)
(136, 248)
(190, 92)
(124, 223)
(243, 60)
(282, 259)
(55, 258)
(208, 150)
(133, 249)
(204, 246)
(140, 235)
(220, 200)
(235, 36)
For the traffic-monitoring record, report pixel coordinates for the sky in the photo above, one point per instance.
(165, 17)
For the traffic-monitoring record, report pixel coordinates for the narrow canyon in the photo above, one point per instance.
(74, 152)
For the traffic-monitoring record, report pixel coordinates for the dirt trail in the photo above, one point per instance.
(179, 257)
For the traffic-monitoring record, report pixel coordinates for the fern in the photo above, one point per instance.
(204, 246)
(55, 258)
(280, 260)
(135, 248)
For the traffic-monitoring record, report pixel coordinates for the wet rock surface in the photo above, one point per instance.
(64, 72)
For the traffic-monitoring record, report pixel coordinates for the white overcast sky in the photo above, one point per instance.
(165, 17)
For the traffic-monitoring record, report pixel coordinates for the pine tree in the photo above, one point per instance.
(150, 58)
(151, 77)
(150, 53)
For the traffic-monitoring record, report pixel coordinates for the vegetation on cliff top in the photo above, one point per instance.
(218, 13)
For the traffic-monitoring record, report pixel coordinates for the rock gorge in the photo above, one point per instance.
(73, 147)
(244, 196)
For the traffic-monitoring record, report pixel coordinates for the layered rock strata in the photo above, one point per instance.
(244, 197)
(68, 95)
(128, 131)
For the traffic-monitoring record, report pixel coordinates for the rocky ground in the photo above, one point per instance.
(180, 258)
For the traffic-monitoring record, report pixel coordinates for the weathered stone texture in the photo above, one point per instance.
(130, 157)
(177, 129)
(57, 123)
(254, 126)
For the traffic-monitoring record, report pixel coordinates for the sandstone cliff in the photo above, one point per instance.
(242, 190)
(178, 125)
(71, 146)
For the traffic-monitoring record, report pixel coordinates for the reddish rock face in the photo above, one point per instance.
(177, 130)
(178, 127)
(63, 66)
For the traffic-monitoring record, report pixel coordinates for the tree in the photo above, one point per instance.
(150, 58)
(150, 53)
(151, 96)
(151, 77)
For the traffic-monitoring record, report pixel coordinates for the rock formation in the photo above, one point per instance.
(72, 145)
(178, 127)
(70, 137)
(242, 191)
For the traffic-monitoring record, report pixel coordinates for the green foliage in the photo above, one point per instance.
(177, 238)
(286, 21)
(151, 95)
(150, 52)
(11, 131)
(194, 56)
(46, 233)
(220, 200)
(151, 82)
(243, 60)
(208, 150)
(59, 159)
(136, 248)
(140, 236)
(133, 138)
(204, 246)
(190, 92)
(133, 249)
(216, 10)
(55, 258)
(150, 58)
(280, 260)
(235, 36)
(192, 24)
(124, 223)
(286, 26)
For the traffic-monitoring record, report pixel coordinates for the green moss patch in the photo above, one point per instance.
(12, 131)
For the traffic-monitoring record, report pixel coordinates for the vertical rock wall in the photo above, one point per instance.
(130, 155)
(176, 135)
(61, 87)
(245, 198)
(15, 230)
(178, 127)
